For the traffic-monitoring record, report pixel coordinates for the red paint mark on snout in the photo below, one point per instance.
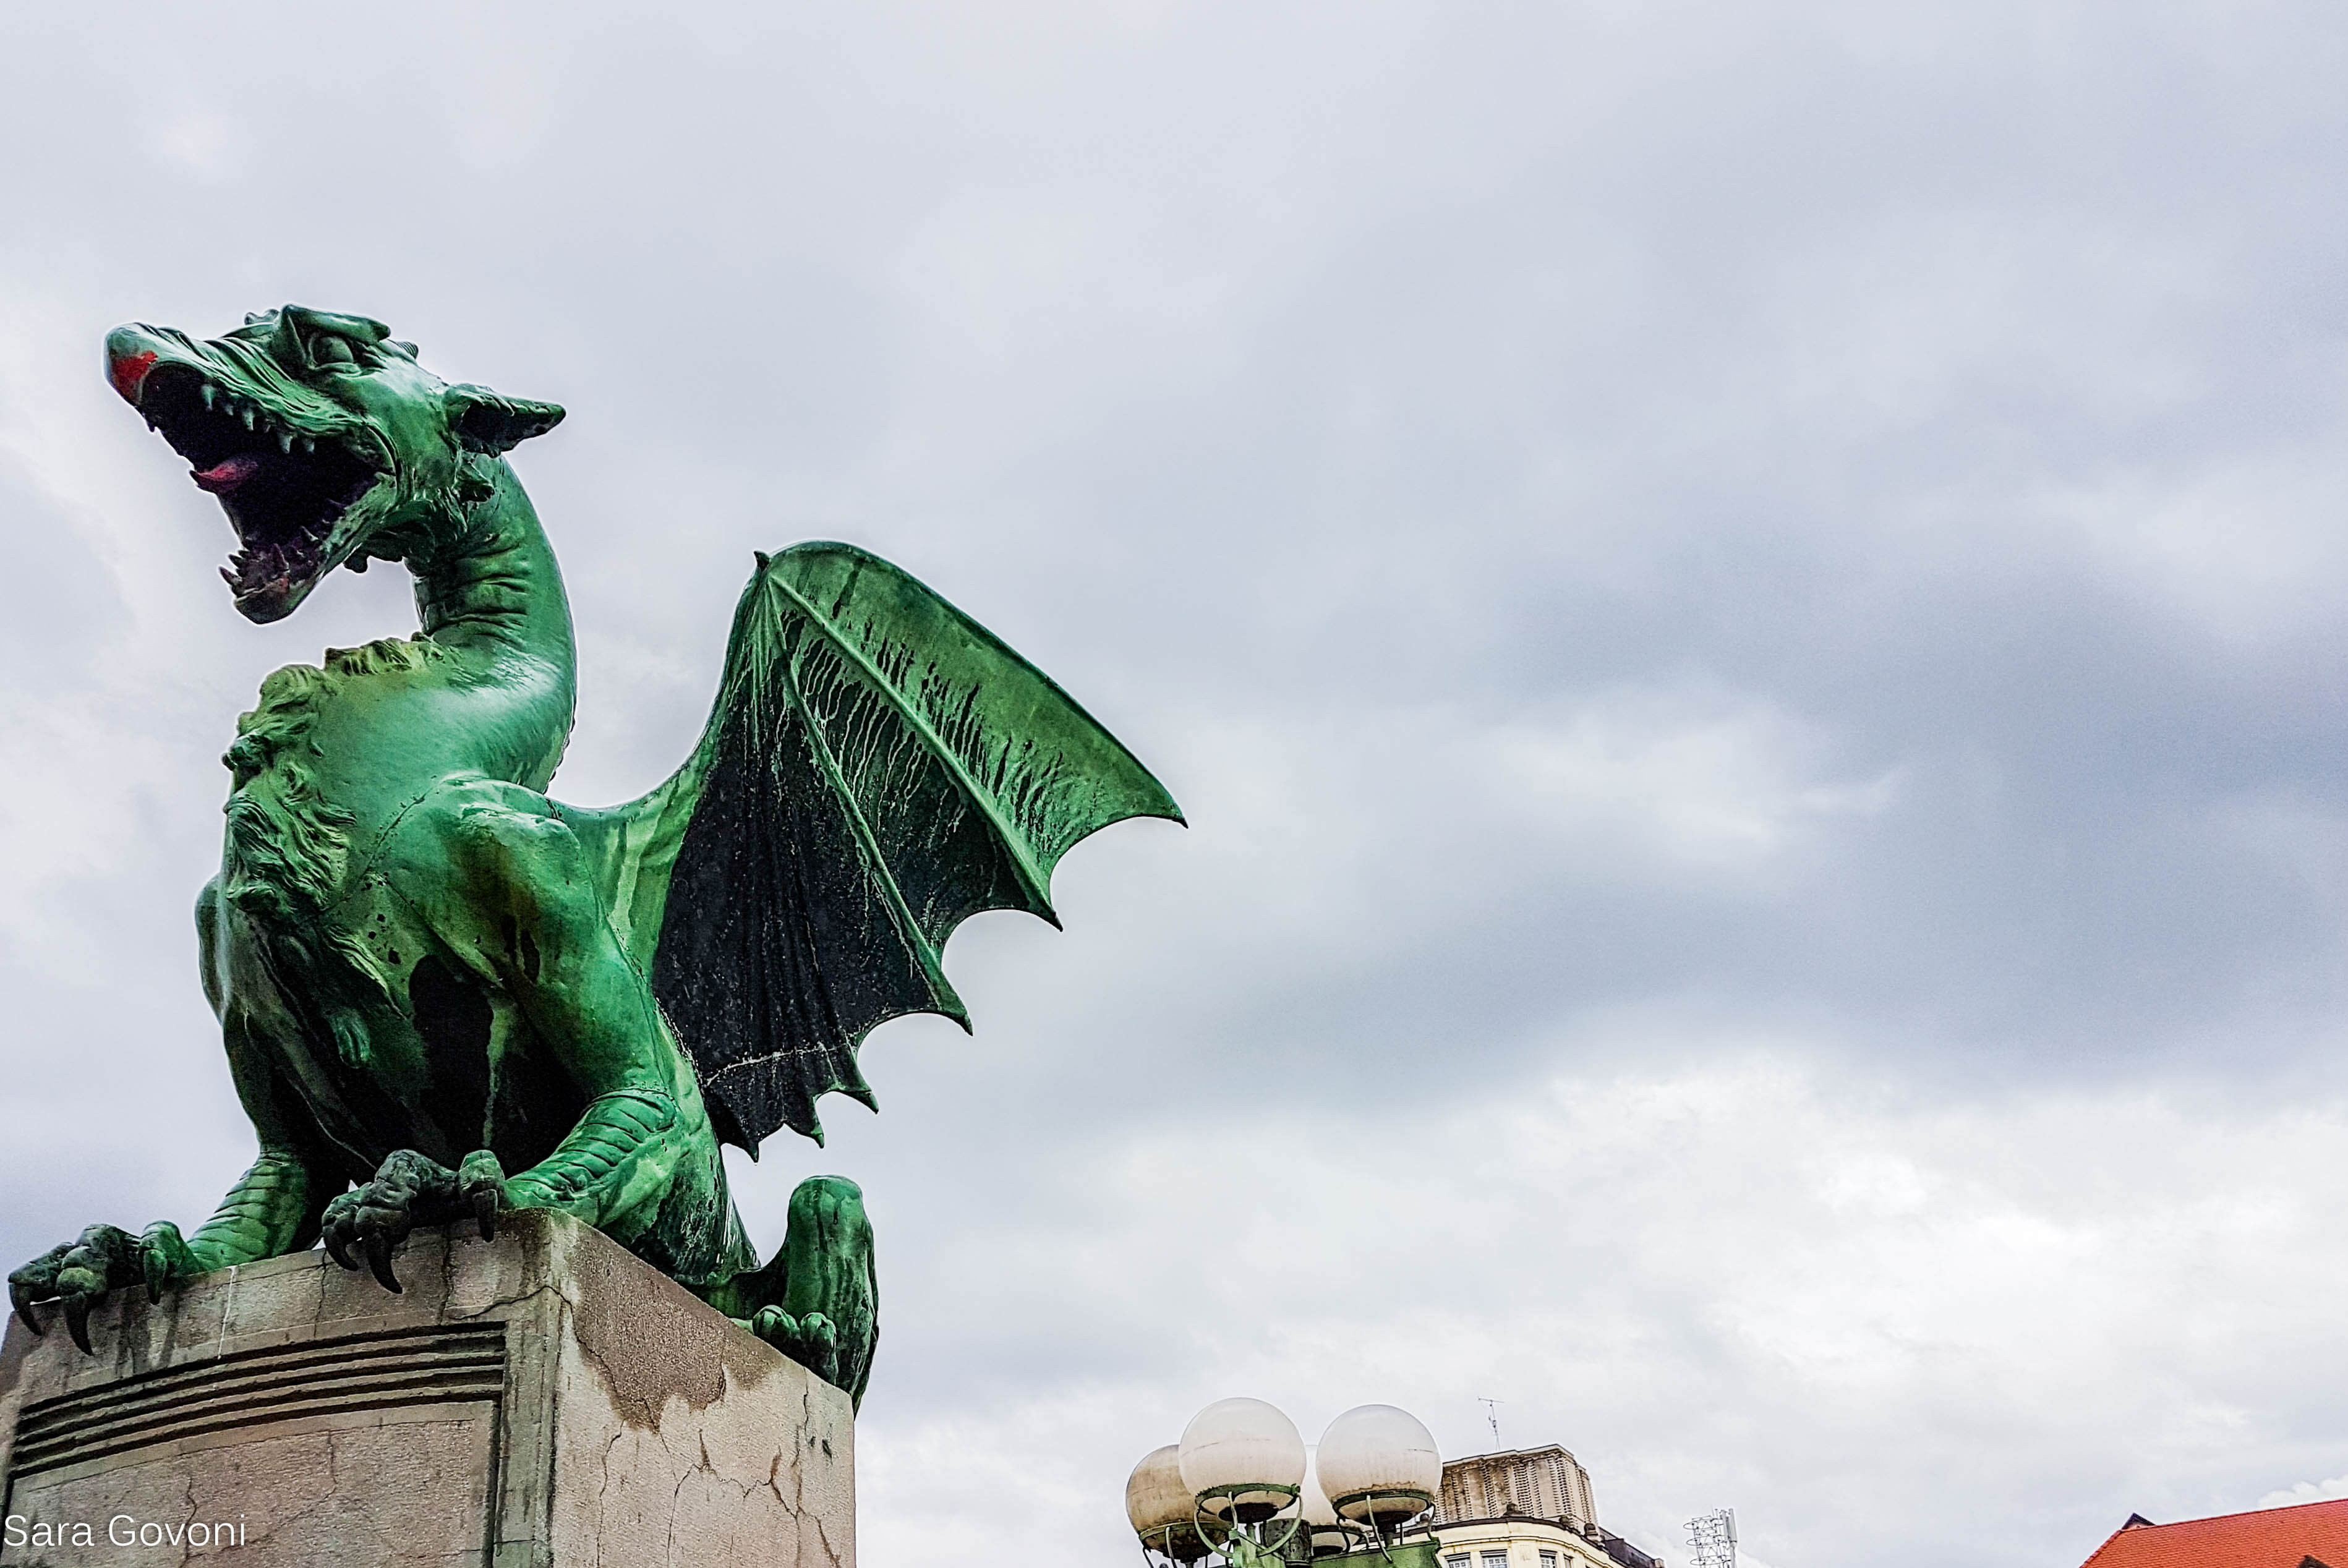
(129, 373)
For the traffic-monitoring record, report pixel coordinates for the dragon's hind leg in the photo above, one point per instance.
(816, 1301)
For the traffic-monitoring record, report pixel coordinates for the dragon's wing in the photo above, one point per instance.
(879, 768)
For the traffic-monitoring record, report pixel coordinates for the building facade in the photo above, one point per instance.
(1529, 1508)
(1541, 1483)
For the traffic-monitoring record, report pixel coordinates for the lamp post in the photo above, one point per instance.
(1241, 1486)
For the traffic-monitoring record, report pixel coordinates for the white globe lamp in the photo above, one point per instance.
(1379, 1466)
(1324, 1531)
(1242, 1461)
(1159, 1508)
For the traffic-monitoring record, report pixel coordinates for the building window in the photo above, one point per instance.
(1496, 1560)
(1459, 1562)
(1549, 1559)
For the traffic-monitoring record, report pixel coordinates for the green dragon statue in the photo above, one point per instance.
(444, 993)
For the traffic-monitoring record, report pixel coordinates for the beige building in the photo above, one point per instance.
(1543, 1483)
(1531, 1508)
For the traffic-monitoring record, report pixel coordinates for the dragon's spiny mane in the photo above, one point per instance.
(382, 656)
(288, 846)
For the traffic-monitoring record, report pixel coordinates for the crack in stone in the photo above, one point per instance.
(773, 1485)
(188, 1506)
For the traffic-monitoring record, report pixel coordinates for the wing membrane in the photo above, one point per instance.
(879, 768)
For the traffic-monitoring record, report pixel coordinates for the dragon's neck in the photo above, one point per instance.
(489, 594)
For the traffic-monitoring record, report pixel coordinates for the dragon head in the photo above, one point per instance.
(325, 441)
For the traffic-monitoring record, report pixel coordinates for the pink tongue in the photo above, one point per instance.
(228, 475)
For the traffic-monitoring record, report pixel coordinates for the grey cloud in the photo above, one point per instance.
(1647, 539)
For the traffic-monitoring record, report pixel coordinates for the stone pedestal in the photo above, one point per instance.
(543, 1401)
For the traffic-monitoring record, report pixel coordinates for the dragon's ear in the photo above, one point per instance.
(484, 422)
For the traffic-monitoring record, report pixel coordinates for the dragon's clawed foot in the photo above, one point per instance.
(810, 1339)
(79, 1275)
(408, 1190)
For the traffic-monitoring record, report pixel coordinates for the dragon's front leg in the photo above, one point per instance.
(273, 1209)
(267, 1212)
(816, 1301)
(618, 1157)
(526, 916)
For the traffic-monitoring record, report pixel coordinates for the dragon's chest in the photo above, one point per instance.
(389, 1040)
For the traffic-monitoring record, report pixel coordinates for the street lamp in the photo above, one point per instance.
(1160, 1509)
(1243, 1464)
(1325, 1532)
(1379, 1467)
(1242, 1486)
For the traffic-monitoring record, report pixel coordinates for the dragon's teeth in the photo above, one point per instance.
(246, 414)
(285, 442)
(208, 392)
(309, 447)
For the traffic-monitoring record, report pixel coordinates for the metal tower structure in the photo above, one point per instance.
(1492, 1414)
(1714, 1536)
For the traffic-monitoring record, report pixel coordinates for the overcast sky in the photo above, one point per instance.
(1748, 603)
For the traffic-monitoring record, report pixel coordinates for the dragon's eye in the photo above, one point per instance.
(327, 349)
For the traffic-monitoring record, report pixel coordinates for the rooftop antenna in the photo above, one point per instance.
(1492, 1415)
(1714, 1536)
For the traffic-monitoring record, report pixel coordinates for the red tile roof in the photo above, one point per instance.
(2269, 1538)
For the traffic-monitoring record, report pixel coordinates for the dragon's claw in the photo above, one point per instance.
(409, 1190)
(481, 1180)
(808, 1339)
(37, 1282)
(78, 1320)
(164, 1256)
(77, 1276)
(379, 1243)
(368, 1222)
(21, 1297)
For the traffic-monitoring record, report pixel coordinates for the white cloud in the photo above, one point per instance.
(2247, 550)
(1726, 1285)
(205, 143)
(1697, 779)
(2306, 1491)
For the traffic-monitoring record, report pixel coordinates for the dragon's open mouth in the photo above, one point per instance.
(283, 489)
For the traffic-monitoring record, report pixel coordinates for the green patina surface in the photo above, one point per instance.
(444, 993)
(1410, 1555)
